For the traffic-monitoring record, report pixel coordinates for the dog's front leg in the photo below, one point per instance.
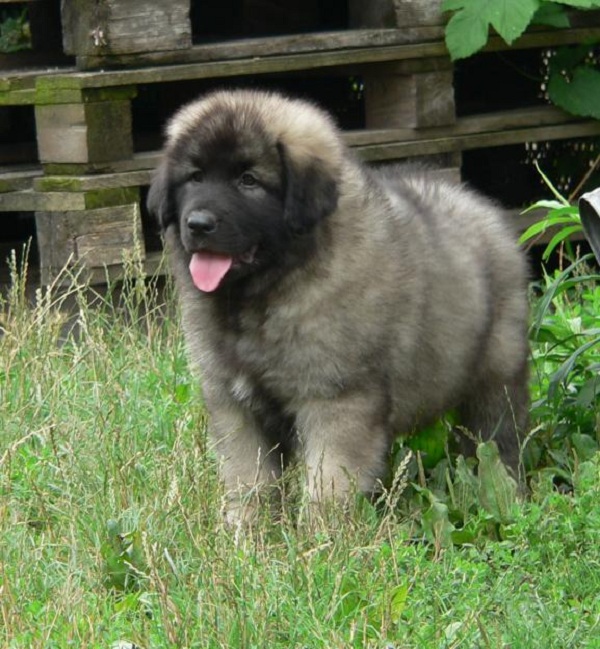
(344, 442)
(248, 464)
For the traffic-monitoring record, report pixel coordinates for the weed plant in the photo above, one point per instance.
(111, 533)
(565, 334)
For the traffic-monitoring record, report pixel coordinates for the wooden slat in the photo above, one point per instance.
(521, 125)
(304, 60)
(30, 201)
(261, 56)
(496, 129)
(272, 46)
(139, 161)
(154, 265)
(13, 179)
(125, 26)
(17, 87)
(472, 124)
(242, 67)
(89, 182)
(425, 146)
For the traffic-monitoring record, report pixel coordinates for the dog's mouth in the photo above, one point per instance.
(208, 269)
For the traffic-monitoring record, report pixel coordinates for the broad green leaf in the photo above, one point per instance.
(398, 601)
(510, 18)
(497, 489)
(582, 4)
(466, 33)
(566, 368)
(436, 523)
(554, 289)
(551, 205)
(545, 224)
(464, 536)
(464, 488)
(553, 15)
(578, 92)
(453, 5)
(585, 446)
(587, 476)
(589, 392)
(558, 238)
(431, 442)
(351, 598)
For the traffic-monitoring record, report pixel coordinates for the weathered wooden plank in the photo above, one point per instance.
(24, 97)
(522, 118)
(124, 26)
(270, 46)
(22, 79)
(101, 238)
(81, 133)
(90, 182)
(306, 60)
(17, 87)
(108, 241)
(417, 100)
(395, 13)
(521, 124)
(48, 93)
(139, 161)
(32, 201)
(14, 179)
(240, 67)
(403, 149)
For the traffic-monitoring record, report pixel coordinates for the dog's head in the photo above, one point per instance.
(244, 176)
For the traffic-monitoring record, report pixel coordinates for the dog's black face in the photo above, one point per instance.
(237, 199)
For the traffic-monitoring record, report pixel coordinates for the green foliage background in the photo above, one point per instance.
(574, 78)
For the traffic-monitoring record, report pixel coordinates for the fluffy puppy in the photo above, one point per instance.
(328, 306)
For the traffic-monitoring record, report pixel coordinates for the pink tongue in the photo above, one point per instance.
(208, 269)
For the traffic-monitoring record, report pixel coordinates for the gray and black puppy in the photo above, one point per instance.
(327, 306)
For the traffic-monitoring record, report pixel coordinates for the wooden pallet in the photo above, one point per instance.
(86, 185)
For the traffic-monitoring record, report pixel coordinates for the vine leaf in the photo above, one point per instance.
(552, 15)
(577, 91)
(467, 30)
(580, 4)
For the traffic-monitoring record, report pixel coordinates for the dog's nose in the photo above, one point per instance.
(202, 222)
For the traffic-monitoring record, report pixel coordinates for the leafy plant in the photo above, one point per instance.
(565, 334)
(14, 32)
(468, 29)
(561, 215)
(573, 77)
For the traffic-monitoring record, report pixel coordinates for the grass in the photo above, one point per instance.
(111, 532)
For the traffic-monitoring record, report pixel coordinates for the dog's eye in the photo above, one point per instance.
(197, 176)
(248, 180)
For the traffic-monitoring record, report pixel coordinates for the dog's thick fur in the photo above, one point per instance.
(359, 303)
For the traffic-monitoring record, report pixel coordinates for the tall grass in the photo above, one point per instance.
(111, 532)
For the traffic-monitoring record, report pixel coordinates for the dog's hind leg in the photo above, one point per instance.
(497, 410)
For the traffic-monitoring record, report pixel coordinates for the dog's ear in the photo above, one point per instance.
(311, 192)
(159, 201)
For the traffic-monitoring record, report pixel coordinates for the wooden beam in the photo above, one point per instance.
(308, 60)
